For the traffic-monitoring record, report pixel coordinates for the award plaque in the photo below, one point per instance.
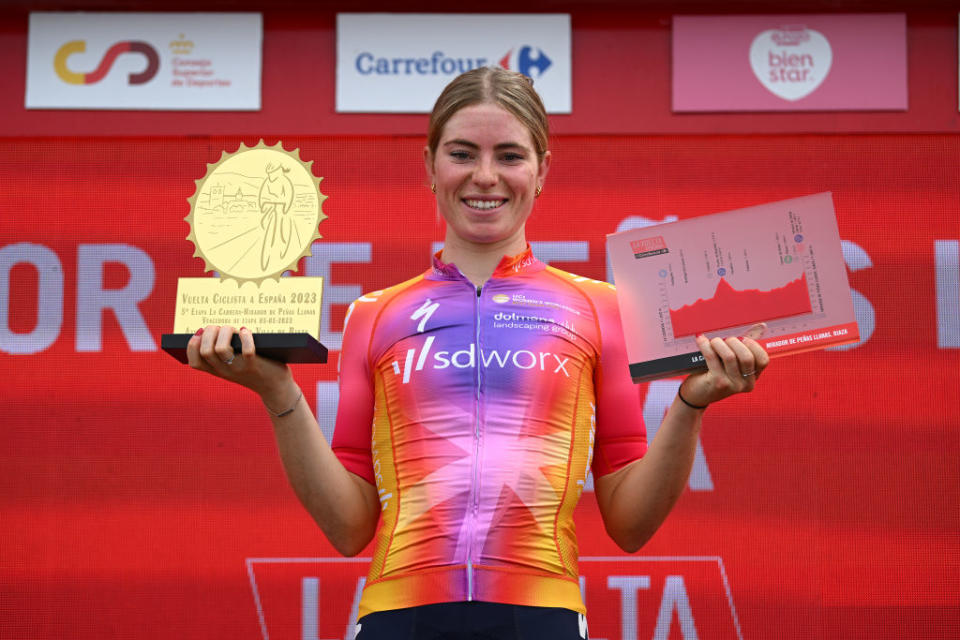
(253, 217)
(779, 263)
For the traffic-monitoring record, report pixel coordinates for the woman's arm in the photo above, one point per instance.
(345, 506)
(636, 499)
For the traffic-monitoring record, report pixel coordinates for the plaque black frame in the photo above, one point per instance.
(292, 348)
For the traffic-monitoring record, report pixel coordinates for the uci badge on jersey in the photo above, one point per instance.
(253, 216)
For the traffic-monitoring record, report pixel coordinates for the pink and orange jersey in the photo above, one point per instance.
(478, 413)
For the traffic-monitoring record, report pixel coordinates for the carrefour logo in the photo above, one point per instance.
(106, 63)
(528, 60)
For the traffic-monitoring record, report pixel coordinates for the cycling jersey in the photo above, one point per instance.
(476, 412)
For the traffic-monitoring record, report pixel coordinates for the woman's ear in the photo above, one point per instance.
(544, 167)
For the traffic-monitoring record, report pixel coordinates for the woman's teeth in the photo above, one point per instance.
(484, 204)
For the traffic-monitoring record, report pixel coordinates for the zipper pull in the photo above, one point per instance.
(479, 288)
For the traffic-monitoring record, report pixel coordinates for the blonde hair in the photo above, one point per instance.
(510, 90)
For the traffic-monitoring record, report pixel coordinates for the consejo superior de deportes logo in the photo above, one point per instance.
(106, 63)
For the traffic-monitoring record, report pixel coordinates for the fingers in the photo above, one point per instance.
(193, 351)
(733, 358)
(745, 366)
(733, 366)
(222, 347)
(247, 349)
(210, 350)
(760, 357)
(756, 331)
(730, 351)
(714, 363)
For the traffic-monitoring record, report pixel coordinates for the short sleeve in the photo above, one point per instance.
(621, 436)
(352, 431)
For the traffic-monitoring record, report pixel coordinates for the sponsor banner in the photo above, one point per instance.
(626, 597)
(298, 598)
(399, 63)
(790, 62)
(176, 61)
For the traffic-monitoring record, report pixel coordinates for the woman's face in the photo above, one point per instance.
(486, 172)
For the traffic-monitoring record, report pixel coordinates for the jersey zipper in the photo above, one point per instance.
(475, 502)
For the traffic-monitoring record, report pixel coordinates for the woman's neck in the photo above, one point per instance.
(478, 261)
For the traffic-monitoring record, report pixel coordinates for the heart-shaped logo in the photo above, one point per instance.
(791, 62)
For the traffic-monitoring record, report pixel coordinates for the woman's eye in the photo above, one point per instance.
(512, 157)
(459, 155)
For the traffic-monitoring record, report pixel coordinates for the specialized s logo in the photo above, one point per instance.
(423, 313)
(526, 61)
(106, 63)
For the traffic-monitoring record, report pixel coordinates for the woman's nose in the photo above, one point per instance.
(485, 174)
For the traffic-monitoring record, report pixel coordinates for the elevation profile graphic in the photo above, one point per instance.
(779, 263)
(730, 308)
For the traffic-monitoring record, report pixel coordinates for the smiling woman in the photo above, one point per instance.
(476, 398)
(487, 160)
(486, 174)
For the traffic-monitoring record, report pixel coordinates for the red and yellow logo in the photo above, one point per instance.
(127, 46)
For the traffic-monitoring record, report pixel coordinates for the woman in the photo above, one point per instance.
(476, 397)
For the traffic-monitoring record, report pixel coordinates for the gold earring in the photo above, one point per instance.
(433, 187)
(539, 189)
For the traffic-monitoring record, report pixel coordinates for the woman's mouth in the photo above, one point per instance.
(483, 205)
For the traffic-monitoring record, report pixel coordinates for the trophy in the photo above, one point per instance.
(253, 217)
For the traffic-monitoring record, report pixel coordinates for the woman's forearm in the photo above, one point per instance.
(344, 506)
(635, 500)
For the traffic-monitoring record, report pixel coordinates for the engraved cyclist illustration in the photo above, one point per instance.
(275, 200)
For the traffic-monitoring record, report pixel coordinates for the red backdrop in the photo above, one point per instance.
(142, 499)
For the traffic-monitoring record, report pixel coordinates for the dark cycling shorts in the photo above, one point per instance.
(473, 621)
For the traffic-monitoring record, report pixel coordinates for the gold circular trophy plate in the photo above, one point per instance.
(253, 216)
(255, 213)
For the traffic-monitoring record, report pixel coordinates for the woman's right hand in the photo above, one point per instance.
(209, 350)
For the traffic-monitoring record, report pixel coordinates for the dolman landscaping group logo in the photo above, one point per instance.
(61, 66)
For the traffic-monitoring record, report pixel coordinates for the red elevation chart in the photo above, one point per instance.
(730, 308)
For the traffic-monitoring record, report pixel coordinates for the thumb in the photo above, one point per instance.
(756, 331)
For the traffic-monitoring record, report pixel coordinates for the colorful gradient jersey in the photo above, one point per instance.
(477, 412)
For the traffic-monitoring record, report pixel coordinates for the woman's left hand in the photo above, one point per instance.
(733, 366)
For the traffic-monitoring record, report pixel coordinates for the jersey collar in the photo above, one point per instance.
(523, 262)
